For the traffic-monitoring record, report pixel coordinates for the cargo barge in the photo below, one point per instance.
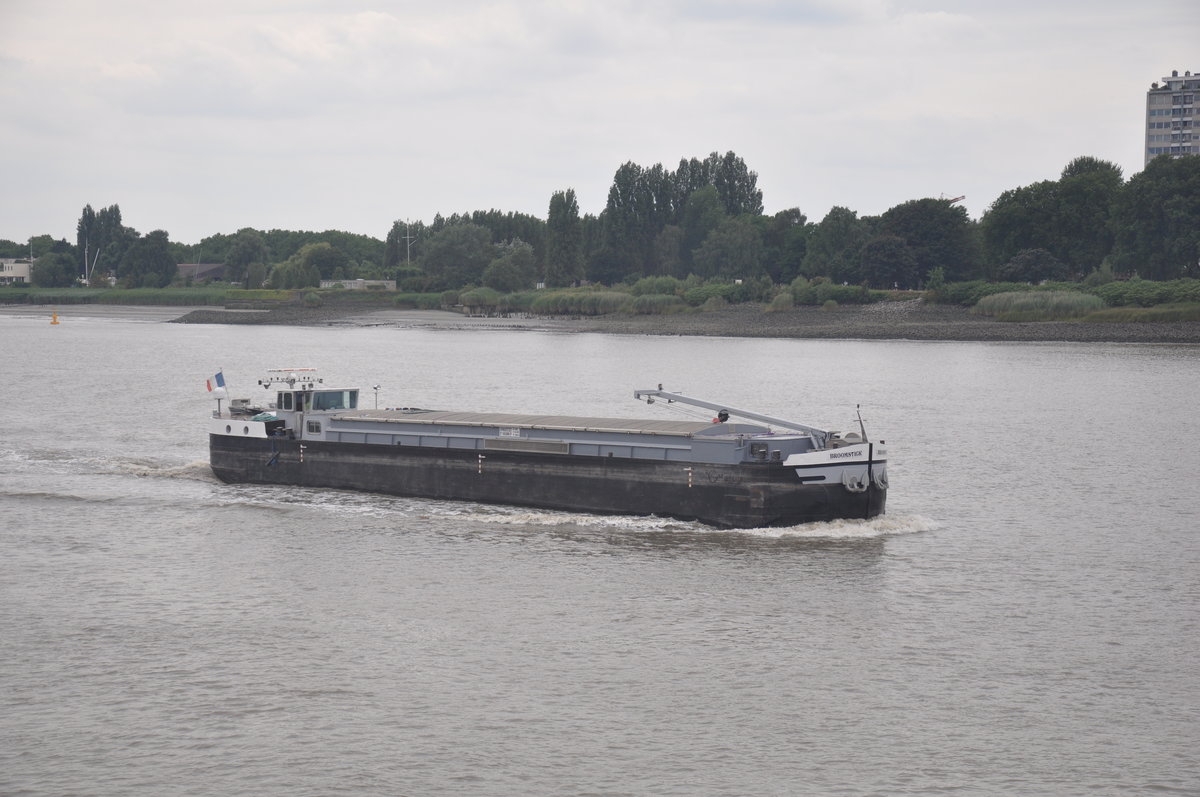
(739, 470)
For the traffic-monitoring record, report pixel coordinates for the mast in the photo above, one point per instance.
(820, 435)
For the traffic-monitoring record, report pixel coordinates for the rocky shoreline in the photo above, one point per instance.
(912, 320)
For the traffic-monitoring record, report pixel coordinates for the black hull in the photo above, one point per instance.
(728, 496)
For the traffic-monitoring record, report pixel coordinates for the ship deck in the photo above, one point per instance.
(563, 423)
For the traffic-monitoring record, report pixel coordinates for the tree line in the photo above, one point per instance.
(704, 218)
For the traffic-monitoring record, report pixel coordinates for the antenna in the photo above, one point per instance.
(408, 239)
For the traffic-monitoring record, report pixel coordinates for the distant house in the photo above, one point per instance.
(15, 271)
(198, 272)
(360, 285)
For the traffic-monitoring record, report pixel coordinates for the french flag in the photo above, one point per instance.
(215, 382)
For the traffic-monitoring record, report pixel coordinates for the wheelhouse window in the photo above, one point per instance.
(335, 400)
(284, 402)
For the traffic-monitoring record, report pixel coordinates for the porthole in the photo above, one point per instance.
(245, 430)
(228, 429)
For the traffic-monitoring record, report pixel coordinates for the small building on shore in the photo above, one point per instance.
(15, 271)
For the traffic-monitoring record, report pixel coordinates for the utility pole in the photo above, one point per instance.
(408, 239)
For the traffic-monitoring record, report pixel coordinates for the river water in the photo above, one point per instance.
(1025, 619)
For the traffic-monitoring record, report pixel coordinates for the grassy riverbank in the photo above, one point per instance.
(911, 320)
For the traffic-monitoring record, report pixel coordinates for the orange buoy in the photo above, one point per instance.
(54, 317)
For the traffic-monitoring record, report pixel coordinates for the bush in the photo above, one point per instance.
(1163, 313)
(1033, 265)
(484, 298)
(419, 301)
(1147, 293)
(449, 298)
(714, 303)
(1039, 305)
(312, 299)
(1100, 276)
(829, 304)
(968, 294)
(657, 285)
(656, 304)
(781, 302)
(936, 283)
(519, 302)
(699, 295)
(821, 290)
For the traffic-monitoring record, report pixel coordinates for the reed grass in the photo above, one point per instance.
(579, 302)
(655, 304)
(132, 296)
(1038, 305)
(1163, 313)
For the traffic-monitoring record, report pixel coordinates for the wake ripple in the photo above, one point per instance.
(883, 526)
(59, 461)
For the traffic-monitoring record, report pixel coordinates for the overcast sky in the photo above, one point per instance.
(206, 117)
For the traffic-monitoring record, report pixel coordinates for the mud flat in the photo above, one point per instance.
(911, 320)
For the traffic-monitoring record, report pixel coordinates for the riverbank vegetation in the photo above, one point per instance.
(682, 240)
(1135, 300)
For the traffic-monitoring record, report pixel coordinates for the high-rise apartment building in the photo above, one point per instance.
(1170, 123)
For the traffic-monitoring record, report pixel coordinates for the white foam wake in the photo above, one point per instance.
(883, 526)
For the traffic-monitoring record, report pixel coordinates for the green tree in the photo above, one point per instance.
(248, 247)
(324, 257)
(1032, 265)
(514, 270)
(668, 252)
(148, 262)
(736, 184)
(308, 266)
(1156, 218)
(1020, 218)
(13, 249)
(833, 246)
(111, 240)
(606, 266)
(53, 270)
(101, 240)
(403, 244)
(1083, 234)
(87, 239)
(564, 240)
(256, 275)
(733, 250)
(1070, 218)
(702, 213)
(628, 231)
(887, 261)
(938, 233)
(293, 274)
(457, 256)
(785, 244)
